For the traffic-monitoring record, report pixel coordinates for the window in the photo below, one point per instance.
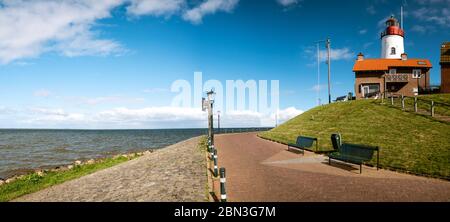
(421, 63)
(392, 71)
(370, 90)
(393, 51)
(416, 73)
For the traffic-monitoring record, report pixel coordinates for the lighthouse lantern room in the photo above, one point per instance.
(392, 40)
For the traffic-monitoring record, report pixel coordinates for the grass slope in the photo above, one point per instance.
(408, 142)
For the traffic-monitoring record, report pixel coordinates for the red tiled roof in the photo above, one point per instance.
(385, 64)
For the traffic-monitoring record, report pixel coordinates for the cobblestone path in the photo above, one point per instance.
(176, 173)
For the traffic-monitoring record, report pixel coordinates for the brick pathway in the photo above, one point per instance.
(176, 173)
(259, 170)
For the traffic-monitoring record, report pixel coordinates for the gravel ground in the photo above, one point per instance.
(175, 173)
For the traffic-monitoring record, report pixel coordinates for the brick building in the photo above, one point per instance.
(445, 67)
(373, 77)
(394, 73)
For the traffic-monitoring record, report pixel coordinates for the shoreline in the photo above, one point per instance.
(64, 167)
(173, 173)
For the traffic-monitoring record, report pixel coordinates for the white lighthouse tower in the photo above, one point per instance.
(392, 40)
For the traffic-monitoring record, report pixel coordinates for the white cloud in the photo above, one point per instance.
(48, 112)
(362, 31)
(367, 45)
(287, 114)
(432, 14)
(155, 7)
(422, 29)
(103, 100)
(336, 54)
(317, 88)
(152, 114)
(127, 118)
(111, 99)
(196, 14)
(371, 10)
(6, 110)
(288, 2)
(30, 28)
(42, 93)
(156, 90)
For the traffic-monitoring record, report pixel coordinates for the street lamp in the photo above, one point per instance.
(209, 103)
(329, 69)
(218, 121)
(328, 46)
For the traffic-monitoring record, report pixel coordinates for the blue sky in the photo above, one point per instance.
(110, 64)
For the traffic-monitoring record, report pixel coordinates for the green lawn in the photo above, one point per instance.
(442, 105)
(33, 182)
(442, 98)
(408, 142)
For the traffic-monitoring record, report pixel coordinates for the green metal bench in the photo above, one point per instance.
(356, 154)
(304, 142)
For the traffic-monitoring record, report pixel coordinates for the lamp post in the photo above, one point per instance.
(328, 46)
(209, 103)
(218, 121)
(329, 69)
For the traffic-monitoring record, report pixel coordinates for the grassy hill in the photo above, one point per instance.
(408, 142)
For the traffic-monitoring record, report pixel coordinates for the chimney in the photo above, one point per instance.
(404, 56)
(360, 57)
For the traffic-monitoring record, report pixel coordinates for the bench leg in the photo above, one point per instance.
(378, 159)
(360, 168)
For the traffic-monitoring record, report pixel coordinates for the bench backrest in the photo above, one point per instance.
(361, 151)
(336, 141)
(305, 142)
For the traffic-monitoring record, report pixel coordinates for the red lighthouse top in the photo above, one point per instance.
(393, 28)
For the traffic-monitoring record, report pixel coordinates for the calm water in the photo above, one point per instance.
(22, 150)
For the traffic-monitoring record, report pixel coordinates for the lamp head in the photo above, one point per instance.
(210, 95)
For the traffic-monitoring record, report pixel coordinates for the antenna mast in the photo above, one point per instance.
(401, 17)
(318, 74)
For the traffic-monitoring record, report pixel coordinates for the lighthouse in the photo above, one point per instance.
(392, 40)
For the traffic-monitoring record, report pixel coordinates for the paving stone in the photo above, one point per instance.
(163, 175)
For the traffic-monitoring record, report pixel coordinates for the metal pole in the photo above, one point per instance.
(211, 151)
(215, 163)
(415, 104)
(401, 17)
(210, 94)
(211, 126)
(329, 69)
(432, 108)
(403, 102)
(223, 194)
(318, 74)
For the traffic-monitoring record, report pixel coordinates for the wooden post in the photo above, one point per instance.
(403, 102)
(392, 100)
(415, 104)
(432, 108)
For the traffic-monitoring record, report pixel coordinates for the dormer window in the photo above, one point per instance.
(393, 51)
(416, 73)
